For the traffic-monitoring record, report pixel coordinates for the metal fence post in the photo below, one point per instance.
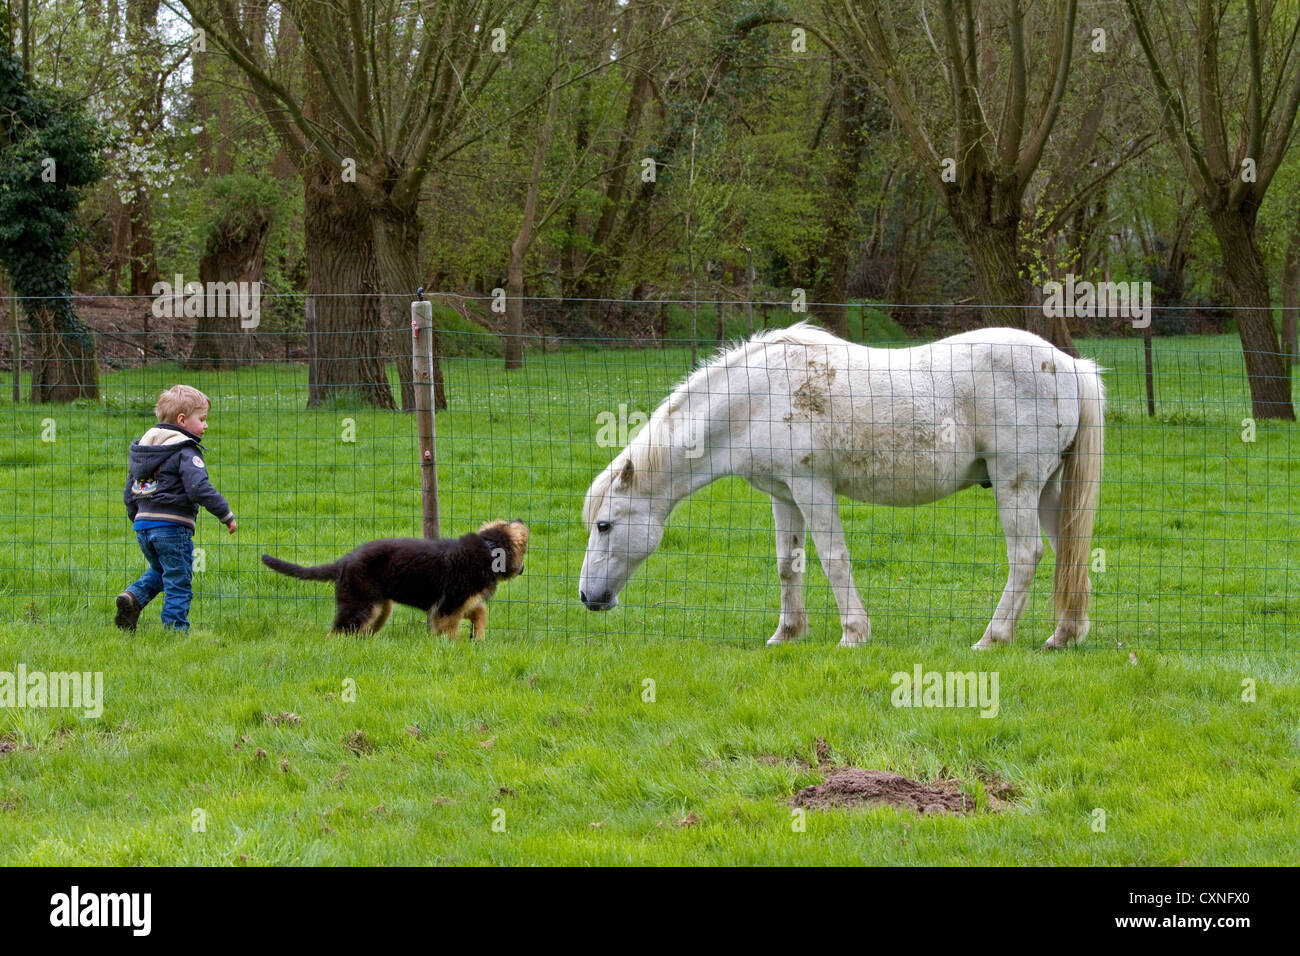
(422, 373)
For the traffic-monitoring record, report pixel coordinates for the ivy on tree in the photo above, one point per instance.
(49, 151)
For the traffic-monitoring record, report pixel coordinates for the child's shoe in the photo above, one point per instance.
(128, 611)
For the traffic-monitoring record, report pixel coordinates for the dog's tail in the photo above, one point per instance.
(322, 572)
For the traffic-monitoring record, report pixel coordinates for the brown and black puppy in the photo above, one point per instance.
(449, 579)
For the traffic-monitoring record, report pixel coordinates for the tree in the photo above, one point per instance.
(529, 220)
(984, 172)
(839, 211)
(49, 151)
(390, 86)
(685, 82)
(235, 232)
(1254, 84)
(145, 80)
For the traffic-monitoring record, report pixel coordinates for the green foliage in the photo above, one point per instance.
(44, 135)
(233, 204)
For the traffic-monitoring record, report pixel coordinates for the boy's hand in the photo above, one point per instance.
(232, 526)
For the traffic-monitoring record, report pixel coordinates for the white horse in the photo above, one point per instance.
(805, 417)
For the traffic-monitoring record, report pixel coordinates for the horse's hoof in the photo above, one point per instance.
(1072, 637)
(1059, 641)
(787, 633)
(992, 639)
(855, 638)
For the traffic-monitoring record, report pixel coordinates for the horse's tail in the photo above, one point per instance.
(1080, 488)
(322, 572)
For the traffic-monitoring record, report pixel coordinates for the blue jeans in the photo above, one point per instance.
(170, 553)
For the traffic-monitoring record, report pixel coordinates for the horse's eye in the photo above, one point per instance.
(602, 527)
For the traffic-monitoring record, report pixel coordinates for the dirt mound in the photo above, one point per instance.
(854, 787)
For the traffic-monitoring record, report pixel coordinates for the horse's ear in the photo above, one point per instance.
(624, 479)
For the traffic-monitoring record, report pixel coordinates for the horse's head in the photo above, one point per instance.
(625, 528)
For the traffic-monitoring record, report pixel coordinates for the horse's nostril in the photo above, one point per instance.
(582, 596)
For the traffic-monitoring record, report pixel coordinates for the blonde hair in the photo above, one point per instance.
(179, 400)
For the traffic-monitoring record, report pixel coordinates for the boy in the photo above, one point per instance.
(167, 483)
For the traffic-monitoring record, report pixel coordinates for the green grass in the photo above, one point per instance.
(1201, 583)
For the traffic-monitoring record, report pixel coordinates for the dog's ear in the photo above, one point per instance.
(518, 533)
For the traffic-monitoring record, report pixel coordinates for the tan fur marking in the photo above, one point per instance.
(381, 618)
(479, 618)
(377, 613)
(518, 533)
(449, 624)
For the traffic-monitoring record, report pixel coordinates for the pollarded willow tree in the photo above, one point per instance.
(1240, 71)
(367, 97)
(977, 90)
(240, 211)
(49, 151)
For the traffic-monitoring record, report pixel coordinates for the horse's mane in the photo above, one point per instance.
(648, 450)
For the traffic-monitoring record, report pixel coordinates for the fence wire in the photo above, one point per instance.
(1194, 547)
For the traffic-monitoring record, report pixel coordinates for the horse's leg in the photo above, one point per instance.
(1049, 509)
(821, 512)
(1018, 502)
(790, 558)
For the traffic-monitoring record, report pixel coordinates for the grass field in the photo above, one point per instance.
(406, 747)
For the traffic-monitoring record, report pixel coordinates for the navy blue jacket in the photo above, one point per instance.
(168, 480)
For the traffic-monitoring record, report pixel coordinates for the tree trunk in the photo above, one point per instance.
(515, 303)
(1291, 298)
(1006, 298)
(144, 258)
(397, 246)
(341, 257)
(235, 254)
(986, 214)
(603, 264)
(524, 239)
(1266, 368)
(569, 255)
(145, 92)
(63, 362)
(831, 285)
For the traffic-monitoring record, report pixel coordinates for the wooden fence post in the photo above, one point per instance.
(422, 369)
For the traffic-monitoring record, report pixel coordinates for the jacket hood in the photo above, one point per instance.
(155, 447)
(165, 435)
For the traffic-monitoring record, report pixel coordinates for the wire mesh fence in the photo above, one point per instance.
(1194, 547)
